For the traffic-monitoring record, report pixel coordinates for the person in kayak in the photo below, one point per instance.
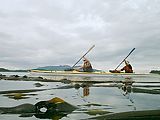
(87, 67)
(127, 68)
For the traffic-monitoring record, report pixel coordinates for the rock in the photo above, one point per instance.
(25, 76)
(65, 81)
(13, 77)
(40, 77)
(24, 108)
(131, 115)
(38, 84)
(55, 105)
(17, 76)
(77, 86)
(16, 96)
(2, 76)
(52, 109)
(26, 115)
(85, 85)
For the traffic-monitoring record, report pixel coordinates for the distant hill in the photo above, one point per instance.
(54, 68)
(58, 68)
(155, 71)
(6, 70)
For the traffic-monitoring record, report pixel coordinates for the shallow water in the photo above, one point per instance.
(97, 97)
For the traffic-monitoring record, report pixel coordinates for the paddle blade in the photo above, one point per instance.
(114, 71)
(69, 69)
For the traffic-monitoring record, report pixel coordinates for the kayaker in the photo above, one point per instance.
(127, 68)
(87, 67)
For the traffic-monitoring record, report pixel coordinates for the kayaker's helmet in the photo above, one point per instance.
(84, 59)
(127, 62)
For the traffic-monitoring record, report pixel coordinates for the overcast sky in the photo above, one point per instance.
(36, 33)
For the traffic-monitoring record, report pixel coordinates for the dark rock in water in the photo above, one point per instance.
(55, 108)
(140, 90)
(85, 85)
(40, 77)
(77, 86)
(55, 105)
(26, 115)
(24, 108)
(38, 84)
(17, 76)
(21, 91)
(131, 115)
(155, 71)
(65, 81)
(25, 76)
(66, 87)
(14, 77)
(2, 76)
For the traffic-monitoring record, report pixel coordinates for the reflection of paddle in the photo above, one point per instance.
(81, 58)
(122, 61)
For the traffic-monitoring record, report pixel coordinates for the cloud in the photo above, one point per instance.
(52, 32)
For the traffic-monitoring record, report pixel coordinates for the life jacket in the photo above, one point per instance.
(127, 68)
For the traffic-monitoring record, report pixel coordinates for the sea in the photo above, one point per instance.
(91, 99)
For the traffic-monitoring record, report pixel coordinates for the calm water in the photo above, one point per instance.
(112, 99)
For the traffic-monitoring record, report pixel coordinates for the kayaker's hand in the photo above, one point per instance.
(77, 70)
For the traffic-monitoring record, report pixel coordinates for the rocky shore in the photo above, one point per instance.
(155, 71)
(22, 78)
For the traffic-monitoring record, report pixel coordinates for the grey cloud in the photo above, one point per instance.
(51, 32)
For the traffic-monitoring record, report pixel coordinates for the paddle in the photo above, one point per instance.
(123, 60)
(81, 58)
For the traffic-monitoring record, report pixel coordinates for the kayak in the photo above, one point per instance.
(83, 73)
(89, 77)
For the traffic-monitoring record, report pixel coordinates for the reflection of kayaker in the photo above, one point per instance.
(127, 85)
(86, 91)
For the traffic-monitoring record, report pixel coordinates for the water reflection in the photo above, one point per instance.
(86, 91)
(85, 86)
(127, 85)
(127, 90)
(50, 115)
(90, 95)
